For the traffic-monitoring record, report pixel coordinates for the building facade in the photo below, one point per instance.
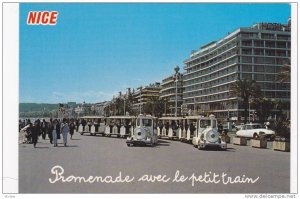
(142, 95)
(256, 52)
(168, 94)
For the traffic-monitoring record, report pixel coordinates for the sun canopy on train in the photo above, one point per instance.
(121, 117)
(171, 118)
(92, 117)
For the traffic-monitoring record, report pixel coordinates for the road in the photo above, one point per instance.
(102, 156)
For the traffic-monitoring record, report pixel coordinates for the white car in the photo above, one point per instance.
(254, 130)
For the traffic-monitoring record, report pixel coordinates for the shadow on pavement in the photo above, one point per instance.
(67, 146)
(162, 141)
(42, 147)
(209, 148)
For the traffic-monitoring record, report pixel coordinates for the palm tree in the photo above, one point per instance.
(264, 108)
(285, 73)
(244, 89)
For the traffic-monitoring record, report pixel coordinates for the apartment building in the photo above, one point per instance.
(142, 95)
(257, 52)
(168, 93)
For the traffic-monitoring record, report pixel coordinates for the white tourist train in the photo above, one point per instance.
(145, 131)
(169, 127)
(92, 125)
(119, 126)
(188, 128)
(206, 133)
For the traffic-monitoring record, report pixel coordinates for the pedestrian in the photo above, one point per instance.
(28, 134)
(220, 127)
(77, 124)
(192, 128)
(49, 130)
(65, 130)
(72, 128)
(58, 125)
(35, 132)
(44, 129)
(54, 131)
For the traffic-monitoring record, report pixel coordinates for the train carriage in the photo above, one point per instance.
(188, 128)
(92, 125)
(169, 127)
(119, 126)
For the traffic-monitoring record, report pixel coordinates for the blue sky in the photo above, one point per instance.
(96, 50)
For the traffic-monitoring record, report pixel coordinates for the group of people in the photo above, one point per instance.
(54, 129)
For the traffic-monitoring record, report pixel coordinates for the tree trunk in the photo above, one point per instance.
(245, 115)
(245, 111)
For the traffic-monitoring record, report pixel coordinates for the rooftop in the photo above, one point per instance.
(257, 26)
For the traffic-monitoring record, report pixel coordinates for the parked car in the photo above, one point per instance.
(255, 130)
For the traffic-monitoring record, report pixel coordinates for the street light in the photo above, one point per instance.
(141, 100)
(249, 110)
(124, 106)
(176, 80)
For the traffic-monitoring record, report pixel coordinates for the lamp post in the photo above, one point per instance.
(194, 105)
(124, 106)
(141, 100)
(249, 110)
(176, 80)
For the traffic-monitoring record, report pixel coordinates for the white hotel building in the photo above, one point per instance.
(256, 52)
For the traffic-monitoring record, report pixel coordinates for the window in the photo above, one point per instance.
(270, 52)
(246, 59)
(247, 68)
(259, 43)
(281, 44)
(259, 69)
(267, 36)
(269, 60)
(258, 52)
(269, 69)
(270, 44)
(247, 43)
(246, 76)
(258, 60)
(281, 53)
(246, 51)
(205, 123)
(259, 77)
(283, 37)
(270, 77)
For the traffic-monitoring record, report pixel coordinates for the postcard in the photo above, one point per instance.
(150, 98)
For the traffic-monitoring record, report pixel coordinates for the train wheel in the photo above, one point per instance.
(151, 142)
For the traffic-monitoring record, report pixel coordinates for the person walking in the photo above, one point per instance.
(35, 132)
(54, 132)
(72, 128)
(44, 129)
(65, 130)
(58, 127)
(49, 131)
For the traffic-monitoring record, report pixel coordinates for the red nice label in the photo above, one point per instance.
(42, 18)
